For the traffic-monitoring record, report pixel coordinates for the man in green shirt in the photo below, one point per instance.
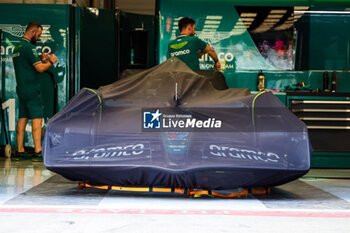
(188, 48)
(27, 66)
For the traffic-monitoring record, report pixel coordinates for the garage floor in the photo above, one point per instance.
(33, 199)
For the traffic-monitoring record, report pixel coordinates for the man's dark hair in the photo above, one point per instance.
(184, 22)
(32, 25)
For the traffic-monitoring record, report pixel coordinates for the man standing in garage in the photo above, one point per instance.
(188, 48)
(27, 66)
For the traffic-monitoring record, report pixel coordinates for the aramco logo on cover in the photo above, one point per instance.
(152, 120)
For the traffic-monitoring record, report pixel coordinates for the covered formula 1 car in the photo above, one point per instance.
(168, 126)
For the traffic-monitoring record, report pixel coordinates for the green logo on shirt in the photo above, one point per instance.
(178, 46)
(35, 52)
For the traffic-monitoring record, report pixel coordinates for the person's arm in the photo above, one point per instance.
(214, 56)
(37, 62)
(201, 53)
(42, 67)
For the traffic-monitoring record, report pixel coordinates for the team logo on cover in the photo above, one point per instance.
(152, 120)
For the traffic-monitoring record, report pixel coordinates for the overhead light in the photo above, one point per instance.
(240, 29)
(237, 32)
(324, 12)
(275, 16)
(278, 11)
(283, 27)
(211, 26)
(212, 22)
(246, 14)
(248, 19)
(301, 8)
(94, 11)
(272, 20)
(214, 17)
(266, 26)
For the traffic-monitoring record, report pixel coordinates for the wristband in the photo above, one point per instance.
(51, 62)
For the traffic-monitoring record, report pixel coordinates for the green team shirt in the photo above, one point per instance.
(25, 57)
(186, 48)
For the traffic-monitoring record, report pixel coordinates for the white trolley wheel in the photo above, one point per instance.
(8, 151)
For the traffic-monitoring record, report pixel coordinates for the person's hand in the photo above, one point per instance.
(217, 65)
(53, 58)
(45, 57)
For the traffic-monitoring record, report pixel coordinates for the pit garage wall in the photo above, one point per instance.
(55, 21)
(127, 23)
(97, 30)
(323, 44)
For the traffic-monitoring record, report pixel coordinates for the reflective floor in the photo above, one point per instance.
(33, 199)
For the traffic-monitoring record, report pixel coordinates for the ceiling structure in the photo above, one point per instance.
(145, 7)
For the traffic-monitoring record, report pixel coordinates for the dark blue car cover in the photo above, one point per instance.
(168, 126)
